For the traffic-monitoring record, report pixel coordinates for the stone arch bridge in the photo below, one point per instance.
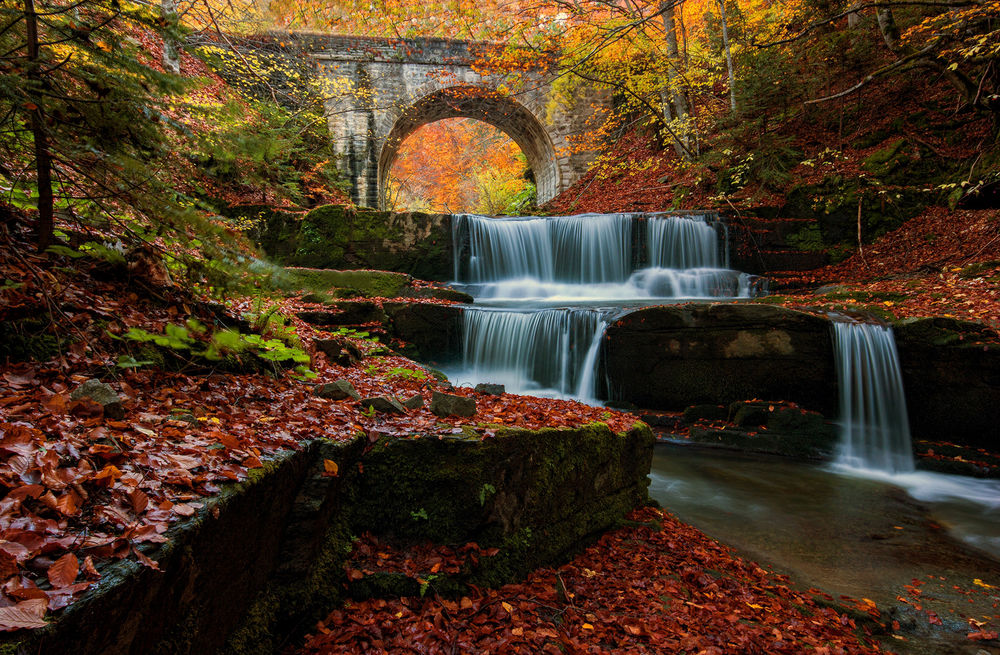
(390, 88)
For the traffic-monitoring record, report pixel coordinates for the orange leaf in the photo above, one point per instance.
(330, 466)
(63, 572)
(67, 504)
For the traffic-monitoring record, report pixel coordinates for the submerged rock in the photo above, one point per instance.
(446, 404)
(101, 394)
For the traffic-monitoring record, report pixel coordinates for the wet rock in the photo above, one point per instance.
(491, 389)
(340, 351)
(750, 414)
(672, 357)
(101, 394)
(446, 404)
(415, 401)
(383, 405)
(696, 413)
(336, 390)
(434, 331)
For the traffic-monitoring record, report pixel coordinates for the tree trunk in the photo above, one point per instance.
(43, 158)
(675, 104)
(729, 54)
(171, 49)
(887, 26)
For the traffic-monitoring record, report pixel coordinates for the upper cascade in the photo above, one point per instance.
(598, 257)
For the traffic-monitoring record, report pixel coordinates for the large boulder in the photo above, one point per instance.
(672, 357)
(951, 377)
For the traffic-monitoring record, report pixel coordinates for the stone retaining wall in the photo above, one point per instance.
(265, 558)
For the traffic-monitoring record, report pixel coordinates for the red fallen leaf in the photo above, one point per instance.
(64, 570)
(139, 500)
(354, 574)
(184, 509)
(25, 615)
(252, 462)
(107, 476)
(144, 560)
(60, 598)
(89, 569)
(26, 491)
(933, 618)
(68, 503)
(983, 636)
(8, 565)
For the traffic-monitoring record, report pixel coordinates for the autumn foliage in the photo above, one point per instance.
(459, 165)
(656, 586)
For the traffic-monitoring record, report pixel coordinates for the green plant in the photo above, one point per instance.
(407, 373)
(486, 490)
(425, 583)
(218, 346)
(420, 515)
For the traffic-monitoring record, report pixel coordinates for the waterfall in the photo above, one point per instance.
(875, 432)
(604, 261)
(683, 242)
(532, 350)
(597, 257)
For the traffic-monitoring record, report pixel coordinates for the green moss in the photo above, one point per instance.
(336, 237)
(885, 161)
(381, 284)
(976, 270)
(28, 340)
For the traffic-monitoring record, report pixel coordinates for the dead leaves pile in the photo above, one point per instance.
(658, 586)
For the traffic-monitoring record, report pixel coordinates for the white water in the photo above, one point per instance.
(875, 432)
(545, 287)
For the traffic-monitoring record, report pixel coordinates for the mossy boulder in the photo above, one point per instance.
(537, 495)
(333, 236)
(265, 558)
(774, 428)
(371, 284)
(834, 201)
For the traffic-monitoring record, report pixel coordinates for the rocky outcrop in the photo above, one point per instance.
(951, 377)
(672, 357)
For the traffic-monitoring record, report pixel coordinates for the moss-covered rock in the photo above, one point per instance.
(535, 495)
(774, 428)
(372, 284)
(27, 340)
(951, 376)
(266, 558)
(834, 204)
(334, 236)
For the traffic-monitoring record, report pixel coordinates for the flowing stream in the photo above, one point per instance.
(545, 289)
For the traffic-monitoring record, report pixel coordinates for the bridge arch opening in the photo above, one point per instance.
(496, 109)
(460, 165)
